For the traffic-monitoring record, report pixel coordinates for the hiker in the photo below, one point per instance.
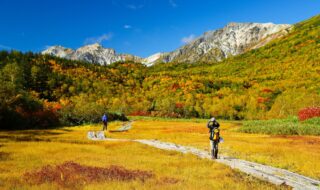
(214, 131)
(105, 122)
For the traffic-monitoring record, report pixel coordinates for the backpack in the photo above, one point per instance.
(216, 134)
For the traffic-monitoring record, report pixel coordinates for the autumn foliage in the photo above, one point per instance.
(274, 81)
(139, 113)
(307, 113)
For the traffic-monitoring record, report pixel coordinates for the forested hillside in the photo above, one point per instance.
(274, 81)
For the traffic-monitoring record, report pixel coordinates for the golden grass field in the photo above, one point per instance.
(29, 151)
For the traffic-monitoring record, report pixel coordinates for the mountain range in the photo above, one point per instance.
(273, 81)
(216, 45)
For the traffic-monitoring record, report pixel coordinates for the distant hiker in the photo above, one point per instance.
(214, 131)
(105, 122)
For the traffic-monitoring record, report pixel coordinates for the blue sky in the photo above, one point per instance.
(140, 27)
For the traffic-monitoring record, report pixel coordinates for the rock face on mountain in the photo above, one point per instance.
(94, 53)
(233, 39)
(152, 59)
(216, 45)
(59, 51)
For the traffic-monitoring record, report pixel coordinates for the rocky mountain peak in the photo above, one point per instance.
(233, 39)
(233, 24)
(92, 53)
(58, 51)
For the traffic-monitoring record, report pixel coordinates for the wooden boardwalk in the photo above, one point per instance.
(273, 175)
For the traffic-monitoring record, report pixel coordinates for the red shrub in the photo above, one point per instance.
(70, 174)
(54, 106)
(179, 105)
(307, 113)
(40, 118)
(267, 90)
(175, 86)
(263, 100)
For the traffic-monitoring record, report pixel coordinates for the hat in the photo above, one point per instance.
(212, 119)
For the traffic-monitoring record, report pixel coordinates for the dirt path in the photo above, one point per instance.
(271, 174)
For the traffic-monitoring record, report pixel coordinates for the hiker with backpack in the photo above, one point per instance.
(214, 131)
(105, 122)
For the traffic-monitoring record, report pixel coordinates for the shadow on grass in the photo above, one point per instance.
(28, 135)
(4, 156)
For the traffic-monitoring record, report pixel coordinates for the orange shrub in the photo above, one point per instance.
(263, 100)
(139, 113)
(179, 105)
(267, 90)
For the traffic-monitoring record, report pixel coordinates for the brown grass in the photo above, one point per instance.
(71, 174)
(168, 180)
(4, 156)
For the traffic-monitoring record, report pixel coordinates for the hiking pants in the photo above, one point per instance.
(105, 125)
(214, 148)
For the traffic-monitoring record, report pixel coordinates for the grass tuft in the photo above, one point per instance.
(290, 126)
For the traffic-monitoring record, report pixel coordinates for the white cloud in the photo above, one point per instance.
(127, 26)
(98, 39)
(188, 39)
(5, 47)
(173, 3)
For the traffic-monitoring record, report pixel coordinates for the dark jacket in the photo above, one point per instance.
(213, 125)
